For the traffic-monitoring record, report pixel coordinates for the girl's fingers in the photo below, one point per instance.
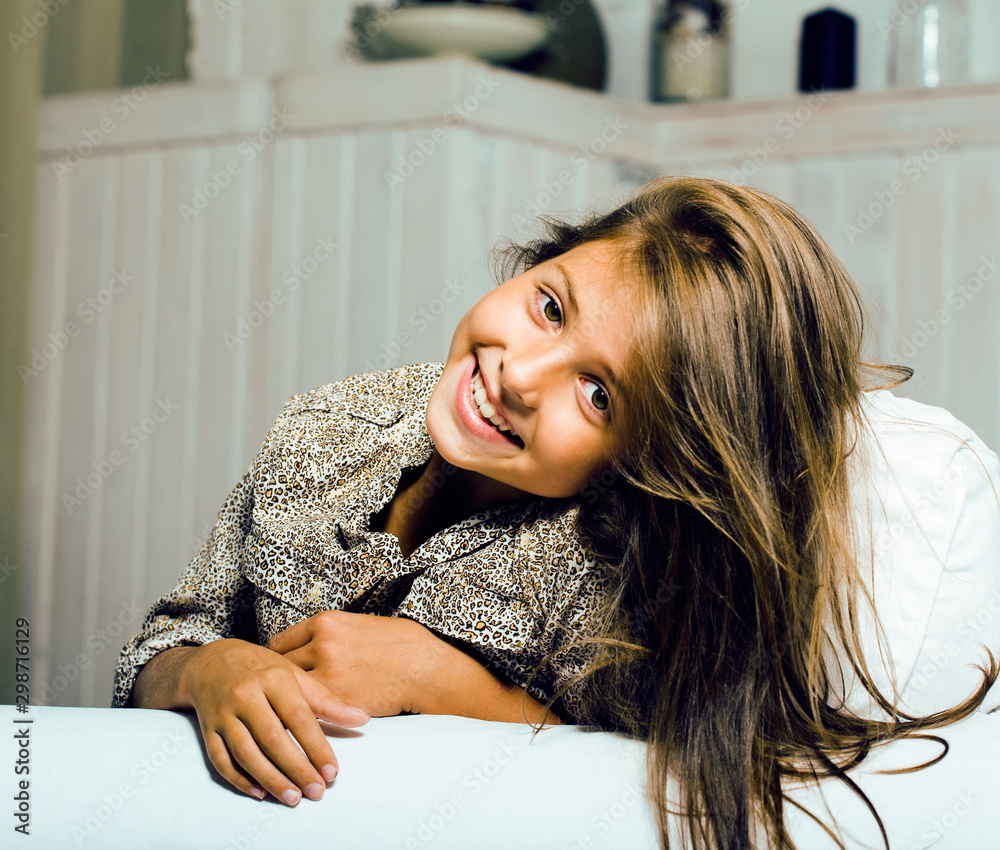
(218, 754)
(300, 718)
(267, 754)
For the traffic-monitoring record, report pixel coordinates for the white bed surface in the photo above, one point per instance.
(112, 778)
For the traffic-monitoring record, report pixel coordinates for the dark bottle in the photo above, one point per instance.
(826, 58)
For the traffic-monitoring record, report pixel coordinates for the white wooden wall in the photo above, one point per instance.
(161, 342)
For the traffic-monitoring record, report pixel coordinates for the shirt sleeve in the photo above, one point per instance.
(211, 601)
(576, 601)
(576, 617)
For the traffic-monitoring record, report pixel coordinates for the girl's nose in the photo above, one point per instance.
(527, 372)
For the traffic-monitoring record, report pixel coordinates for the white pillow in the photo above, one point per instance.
(928, 490)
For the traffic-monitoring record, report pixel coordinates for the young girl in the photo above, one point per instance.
(650, 490)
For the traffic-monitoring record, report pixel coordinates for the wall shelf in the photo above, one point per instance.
(430, 93)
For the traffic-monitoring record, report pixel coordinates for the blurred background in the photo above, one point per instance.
(208, 206)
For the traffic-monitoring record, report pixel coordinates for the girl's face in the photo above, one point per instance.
(538, 356)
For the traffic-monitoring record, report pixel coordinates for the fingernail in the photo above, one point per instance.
(329, 772)
(314, 790)
(291, 797)
(257, 792)
(361, 714)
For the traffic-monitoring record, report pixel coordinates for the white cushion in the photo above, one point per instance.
(928, 491)
(133, 778)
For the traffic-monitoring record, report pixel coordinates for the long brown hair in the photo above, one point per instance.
(730, 521)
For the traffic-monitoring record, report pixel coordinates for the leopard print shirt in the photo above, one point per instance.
(293, 539)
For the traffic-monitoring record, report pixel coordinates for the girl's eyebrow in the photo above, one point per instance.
(571, 298)
(569, 287)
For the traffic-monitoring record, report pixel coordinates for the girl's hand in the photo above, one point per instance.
(245, 697)
(379, 664)
(391, 665)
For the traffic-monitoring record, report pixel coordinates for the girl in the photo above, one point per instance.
(650, 487)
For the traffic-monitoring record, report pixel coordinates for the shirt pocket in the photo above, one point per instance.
(498, 579)
(494, 602)
(309, 583)
(278, 571)
(511, 575)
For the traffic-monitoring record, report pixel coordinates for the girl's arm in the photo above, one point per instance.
(210, 601)
(196, 650)
(462, 684)
(391, 665)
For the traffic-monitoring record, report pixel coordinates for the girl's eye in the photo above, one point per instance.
(597, 395)
(550, 309)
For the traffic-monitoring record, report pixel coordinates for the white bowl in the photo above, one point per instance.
(490, 33)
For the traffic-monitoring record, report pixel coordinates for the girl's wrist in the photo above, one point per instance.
(456, 681)
(432, 672)
(184, 682)
(159, 682)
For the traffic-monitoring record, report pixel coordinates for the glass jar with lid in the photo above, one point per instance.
(690, 51)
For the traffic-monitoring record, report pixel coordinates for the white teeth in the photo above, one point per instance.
(487, 410)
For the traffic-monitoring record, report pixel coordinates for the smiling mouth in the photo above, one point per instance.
(488, 413)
